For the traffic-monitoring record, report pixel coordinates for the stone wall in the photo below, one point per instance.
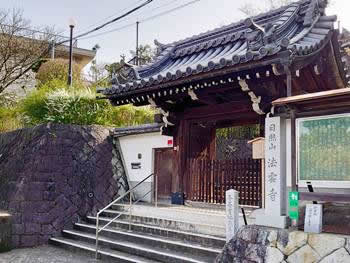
(52, 176)
(267, 245)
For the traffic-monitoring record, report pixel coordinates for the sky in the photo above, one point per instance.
(198, 17)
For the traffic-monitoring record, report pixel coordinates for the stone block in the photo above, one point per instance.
(71, 210)
(248, 234)
(37, 186)
(271, 221)
(31, 228)
(296, 240)
(17, 218)
(255, 253)
(339, 256)
(43, 177)
(47, 229)
(273, 255)
(58, 224)
(45, 206)
(27, 216)
(272, 238)
(14, 206)
(42, 218)
(15, 241)
(18, 229)
(33, 195)
(262, 238)
(49, 196)
(43, 239)
(29, 240)
(304, 255)
(324, 244)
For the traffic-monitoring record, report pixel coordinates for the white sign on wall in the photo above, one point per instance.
(313, 218)
(232, 215)
(275, 177)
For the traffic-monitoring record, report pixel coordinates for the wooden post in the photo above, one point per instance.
(293, 150)
(263, 183)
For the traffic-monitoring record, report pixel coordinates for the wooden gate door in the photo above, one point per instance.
(210, 179)
(163, 168)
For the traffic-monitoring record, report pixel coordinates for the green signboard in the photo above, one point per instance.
(324, 148)
(293, 199)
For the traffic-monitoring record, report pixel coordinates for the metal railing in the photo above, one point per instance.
(154, 189)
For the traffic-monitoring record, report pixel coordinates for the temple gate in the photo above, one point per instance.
(228, 77)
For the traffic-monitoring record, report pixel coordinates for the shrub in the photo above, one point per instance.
(74, 107)
(57, 69)
(55, 102)
(128, 115)
(10, 119)
(79, 106)
(33, 107)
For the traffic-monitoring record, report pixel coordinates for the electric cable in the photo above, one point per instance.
(142, 20)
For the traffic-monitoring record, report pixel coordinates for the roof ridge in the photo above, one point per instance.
(222, 29)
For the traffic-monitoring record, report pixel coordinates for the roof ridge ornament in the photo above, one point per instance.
(160, 47)
(258, 36)
(315, 9)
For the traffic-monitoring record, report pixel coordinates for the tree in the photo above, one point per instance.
(56, 69)
(21, 47)
(252, 10)
(145, 54)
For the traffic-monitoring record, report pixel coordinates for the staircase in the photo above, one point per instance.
(163, 234)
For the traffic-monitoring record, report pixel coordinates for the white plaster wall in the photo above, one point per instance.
(144, 144)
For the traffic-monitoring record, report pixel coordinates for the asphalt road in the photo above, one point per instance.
(44, 254)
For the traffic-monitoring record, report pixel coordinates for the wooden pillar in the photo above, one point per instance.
(293, 152)
(212, 145)
(181, 139)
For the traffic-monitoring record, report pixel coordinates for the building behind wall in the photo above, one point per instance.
(138, 146)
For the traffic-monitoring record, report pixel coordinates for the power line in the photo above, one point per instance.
(100, 21)
(142, 20)
(169, 11)
(131, 24)
(115, 19)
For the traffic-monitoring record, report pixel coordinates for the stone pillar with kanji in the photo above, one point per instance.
(274, 214)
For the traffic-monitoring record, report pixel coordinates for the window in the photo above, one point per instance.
(323, 149)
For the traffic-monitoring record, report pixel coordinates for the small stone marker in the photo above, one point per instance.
(232, 215)
(313, 218)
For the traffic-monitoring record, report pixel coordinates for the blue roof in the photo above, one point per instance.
(300, 27)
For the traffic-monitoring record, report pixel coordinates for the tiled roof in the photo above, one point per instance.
(132, 130)
(301, 27)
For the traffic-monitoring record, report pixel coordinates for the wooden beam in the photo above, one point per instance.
(220, 109)
(330, 197)
(311, 96)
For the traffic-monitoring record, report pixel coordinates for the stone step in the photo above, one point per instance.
(107, 255)
(169, 223)
(189, 248)
(177, 212)
(144, 246)
(201, 239)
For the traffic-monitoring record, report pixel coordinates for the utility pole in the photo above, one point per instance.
(137, 43)
(53, 49)
(70, 70)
